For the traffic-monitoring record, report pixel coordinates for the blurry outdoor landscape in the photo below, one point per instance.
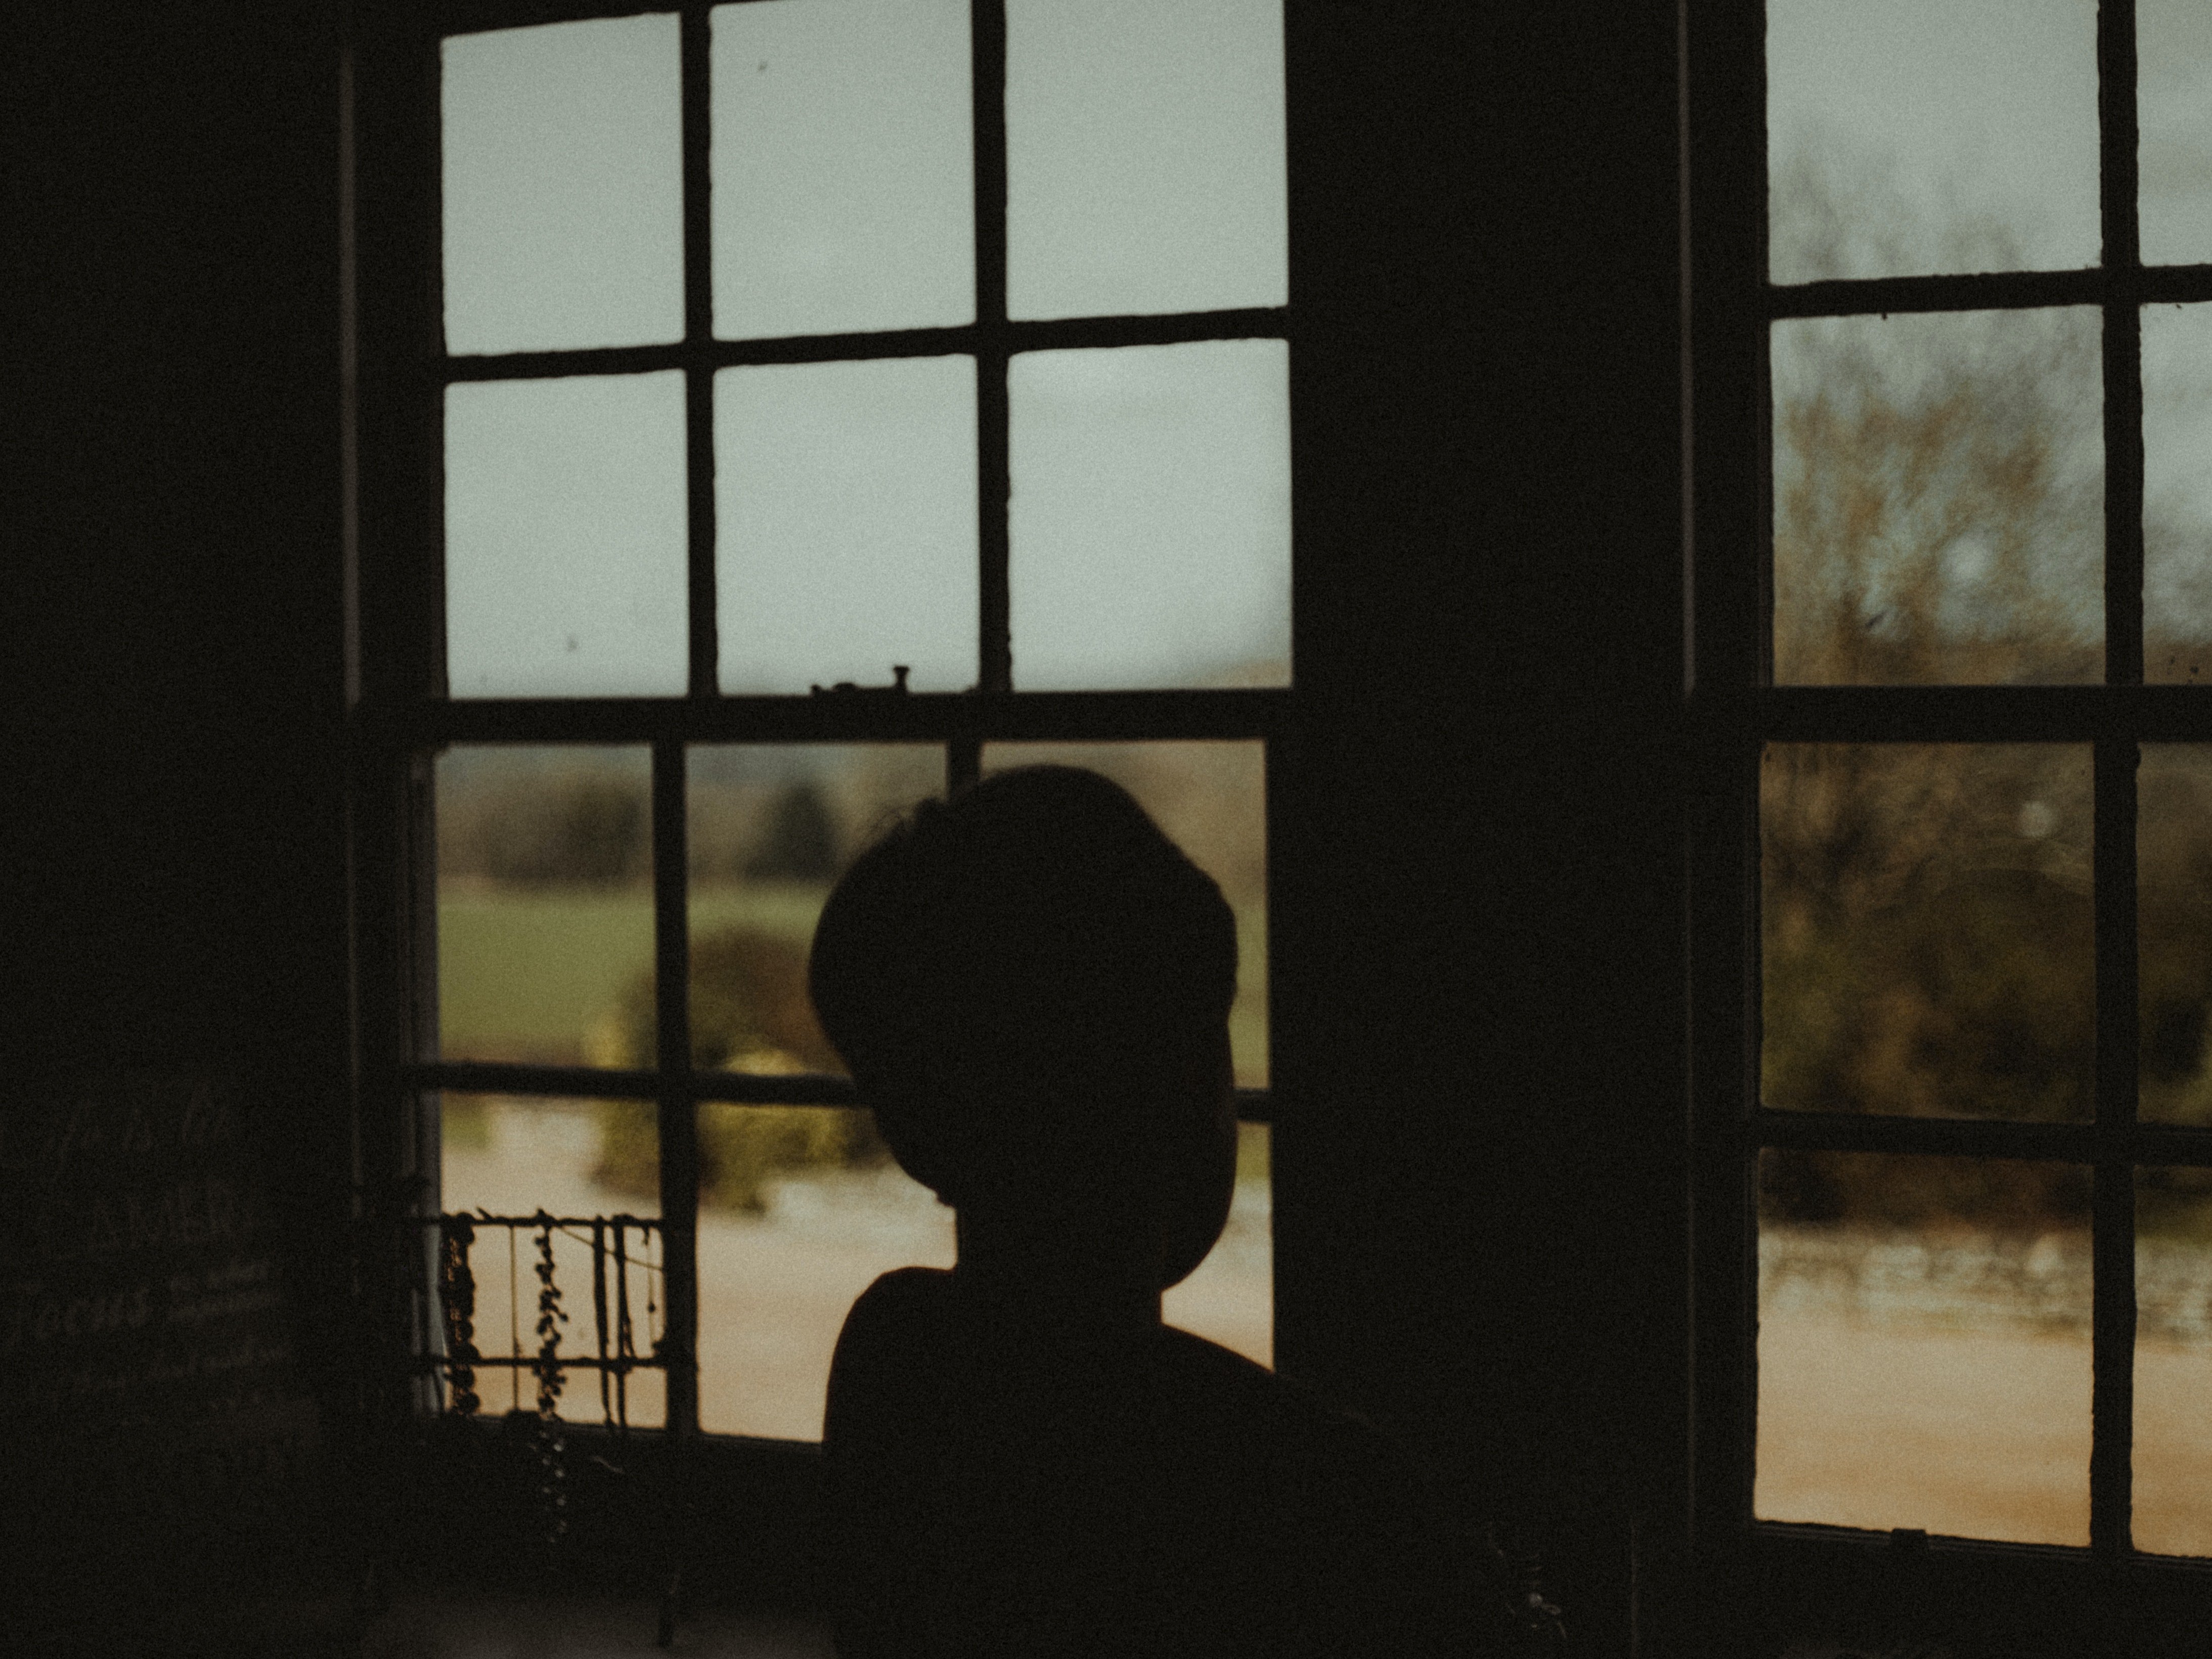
(545, 955)
(1927, 935)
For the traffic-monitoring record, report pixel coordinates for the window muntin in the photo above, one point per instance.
(2116, 716)
(732, 688)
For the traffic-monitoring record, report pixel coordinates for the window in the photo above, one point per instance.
(1948, 1011)
(834, 400)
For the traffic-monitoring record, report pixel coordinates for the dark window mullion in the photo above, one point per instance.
(678, 1114)
(698, 334)
(2006, 291)
(2113, 1407)
(993, 491)
(878, 716)
(704, 353)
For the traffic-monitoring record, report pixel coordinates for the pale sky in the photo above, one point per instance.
(1150, 511)
(1940, 117)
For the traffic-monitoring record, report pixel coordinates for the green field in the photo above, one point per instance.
(526, 974)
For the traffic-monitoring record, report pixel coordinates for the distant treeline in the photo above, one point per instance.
(1927, 911)
(594, 828)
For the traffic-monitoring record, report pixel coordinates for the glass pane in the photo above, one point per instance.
(1150, 522)
(845, 512)
(801, 1211)
(1913, 136)
(565, 536)
(544, 902)
(1939, 498)
(2177, 366)
(2173, 103)
(2173, 930)
(1210, 798)
(844, 188)
(2173, 1361)
(574, 1159)
(1927, 930)
(1144, 157)
(1923, 1345)
(771, 828)
(563, 186)
(1231, 1299)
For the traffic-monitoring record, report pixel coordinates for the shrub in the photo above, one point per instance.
(749, 1012)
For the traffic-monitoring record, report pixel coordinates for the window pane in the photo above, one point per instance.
(844, 186)
(1923, 1345)
(1913, 136)
(565, 537)
(803, 1207)
(2173, 930)
(2173, 1361)
(563, 186)
(574, 1159)
(1927, 930)
(845, 510)
(2177, 366)
(1231, 1299)
(772, 826)
(2173, 103)
(544, 902)
(1939, 498)
(1210, 798)
(1144, 156)
(802, 1213)
(1151, 521)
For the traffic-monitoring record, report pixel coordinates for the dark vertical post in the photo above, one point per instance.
(679, 1145)
(1701, 1507)
(1722, 878)
(393, 202)
(2112, 1411)
(994, 646)
(698, 336)
(2112, 1399)
(679, 1151)
(2123, 344)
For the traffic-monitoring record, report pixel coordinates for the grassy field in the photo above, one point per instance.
(528, 973)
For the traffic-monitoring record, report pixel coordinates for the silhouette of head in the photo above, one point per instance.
(1030, 984)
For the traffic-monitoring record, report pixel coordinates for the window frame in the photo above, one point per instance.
(1732, 708)
(400, 716)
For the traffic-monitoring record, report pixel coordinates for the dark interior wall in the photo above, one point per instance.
(1481, 1235)
(1482, 1238)
(174, 796)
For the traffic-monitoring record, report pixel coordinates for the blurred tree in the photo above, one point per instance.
(800, 839)
(749, 1011)
(576, 828)
(1926, 911)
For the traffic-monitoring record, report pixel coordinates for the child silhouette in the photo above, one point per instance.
(1031, 987)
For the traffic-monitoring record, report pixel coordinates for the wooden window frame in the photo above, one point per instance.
(400, 715)
(1733, 709)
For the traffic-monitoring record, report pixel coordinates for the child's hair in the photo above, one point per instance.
(1004, 974)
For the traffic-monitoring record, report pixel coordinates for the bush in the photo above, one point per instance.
(749, 1012)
